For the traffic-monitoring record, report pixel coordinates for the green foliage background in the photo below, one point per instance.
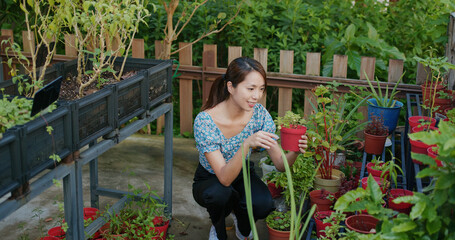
(402, 30)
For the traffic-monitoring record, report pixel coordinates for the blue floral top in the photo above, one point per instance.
(209, 137)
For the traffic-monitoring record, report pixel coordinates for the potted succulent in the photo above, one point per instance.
(328, 135)
(291, 127)
(384, 106)
(375, 135)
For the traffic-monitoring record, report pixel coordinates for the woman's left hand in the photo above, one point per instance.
(303, 141)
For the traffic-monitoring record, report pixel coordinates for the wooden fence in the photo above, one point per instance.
(285, 80)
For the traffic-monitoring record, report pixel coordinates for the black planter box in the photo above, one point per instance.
(10, 167)
(37, 145)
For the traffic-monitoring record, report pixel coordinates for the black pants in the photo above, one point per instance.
(220, 200)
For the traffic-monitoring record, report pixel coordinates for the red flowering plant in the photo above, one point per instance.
(328, 130)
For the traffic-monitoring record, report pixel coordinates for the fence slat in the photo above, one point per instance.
(233, 53)
(208, 60)
(313, 63)
(28, 43)
(260, 55)
(9, 33)
(285, 94)
(186, 90)
(367, 68)
(313, 67)
(159, 48)
(137, 48)
(423, 73)
(395, 70)
(70, 45)
(340, 66)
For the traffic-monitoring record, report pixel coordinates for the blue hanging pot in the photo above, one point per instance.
(390, 115)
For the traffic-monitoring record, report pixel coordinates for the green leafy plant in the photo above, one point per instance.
(389, 168)
(302, 172)
(289, 120)
(139, 215)
(333, 230)
(327, 129)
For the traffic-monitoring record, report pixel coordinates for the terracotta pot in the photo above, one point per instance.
(362, 223)
(399, 207)
(274, 190)
(278, 235)
(374, 144)
(415, 121)
(320, 225)
(290, 137)
(376, 173)
(383, 184)
(331, 185)
(321, 204)
(434, 154)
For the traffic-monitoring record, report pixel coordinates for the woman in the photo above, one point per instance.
(230, 119)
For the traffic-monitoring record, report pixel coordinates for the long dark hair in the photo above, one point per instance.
(235, 73)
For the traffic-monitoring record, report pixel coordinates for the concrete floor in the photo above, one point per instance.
(137, 160)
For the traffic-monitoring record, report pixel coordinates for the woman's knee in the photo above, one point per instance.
(217, 195)
(263, 206)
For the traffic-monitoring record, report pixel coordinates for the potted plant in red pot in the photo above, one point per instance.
(375, 135)
(323, 199)
(291, 127)
(417, 121)
(321, 225)
(279, 225)
(327, 134)
(399, 207)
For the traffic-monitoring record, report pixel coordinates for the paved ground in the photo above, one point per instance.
(137, 160)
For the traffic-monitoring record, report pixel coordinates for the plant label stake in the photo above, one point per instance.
(46, 96)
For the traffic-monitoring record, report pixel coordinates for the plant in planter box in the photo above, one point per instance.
(375, 135)
(104, 30)
(291, 129)
(327, 129)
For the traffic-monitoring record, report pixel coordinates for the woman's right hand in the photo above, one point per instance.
(262, 139)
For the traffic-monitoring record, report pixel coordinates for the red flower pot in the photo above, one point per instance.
(374, 144)
(415, 121)
(376, 173)
(321, 204)
(434, 154)
(274, 190)
(320, 225)
(290, 137)
(57, 232)
(419, 146)
(278, 235)
(383, 184)
(399, 207)
(362, 223)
